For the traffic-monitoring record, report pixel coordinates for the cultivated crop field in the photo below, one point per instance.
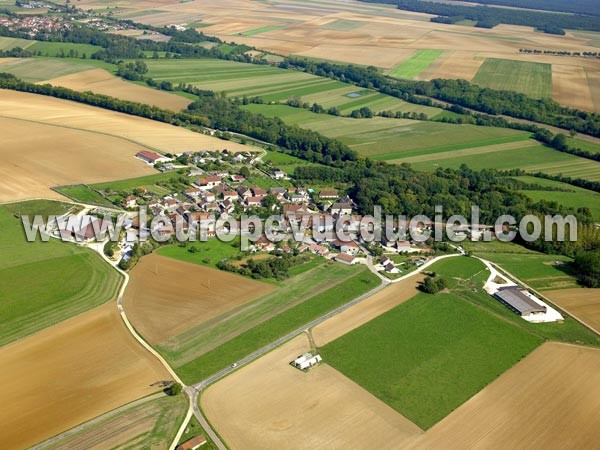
(149, 425)
(278, 314)
(276, 85)
(101, 81)
(575, 197)
(70, 373)
(166, 297)
(422, 350)
(416, 64)
(79, 156)
(268, 404)
(558, 385)
(90, 144)
(584, 304)
(44, 283)
(533, 79)
(39, 69)
(391, 139)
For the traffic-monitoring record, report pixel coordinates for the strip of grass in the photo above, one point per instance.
(209, 335)
(575, 198)
(416, 64)
(42, 284)
(531, 78)
(450, 148)
(277, 327)
(64, 48)
(429, 355)
(261, 30)
(583, 145)
(83, 194)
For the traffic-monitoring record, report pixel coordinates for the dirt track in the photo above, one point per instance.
(165, 296)
(71, 373)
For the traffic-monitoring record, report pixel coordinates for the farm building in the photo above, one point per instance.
(346, 258)
(306, 361)
(151, 157)
(192, 444)
(518, 301)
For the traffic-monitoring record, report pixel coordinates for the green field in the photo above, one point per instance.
(209, 253)
(434, 353)
(42, 284)
(532, 157)
(576, 197)
(165, 413)
(379, 137)
(429, 355)
(58, 48)
(83, 194)
(583, 145)
(533, 79)
(40, 69)
(260, 30)
(319, 277)
(276, 85)
(310, 303)
(416, 64)
(8, 43)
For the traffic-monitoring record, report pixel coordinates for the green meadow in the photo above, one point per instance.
(43, 283)
(533, 79)
(416, 64)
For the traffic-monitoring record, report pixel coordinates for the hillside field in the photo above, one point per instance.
(433, 353)
(44, 283)
(307, 305)
(276, 85)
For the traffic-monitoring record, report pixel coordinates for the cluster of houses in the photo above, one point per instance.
(35, 25)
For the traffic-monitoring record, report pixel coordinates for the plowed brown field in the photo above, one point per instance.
(71, 373)
(165, 297)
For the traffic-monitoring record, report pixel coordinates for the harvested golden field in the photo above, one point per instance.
(582, 303)
(570, 87)
(71, 373)
(165, 297)
(269, 404)
(452, 65)
(101, 81)
(157, 135)
(390, 297)
(550, 400)
(37, 156)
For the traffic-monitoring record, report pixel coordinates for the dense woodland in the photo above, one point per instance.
(489, 17)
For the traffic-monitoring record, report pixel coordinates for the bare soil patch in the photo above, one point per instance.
(71, 373)
(570, 87)
(101, 81)
(166, 297)
(581, 303)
